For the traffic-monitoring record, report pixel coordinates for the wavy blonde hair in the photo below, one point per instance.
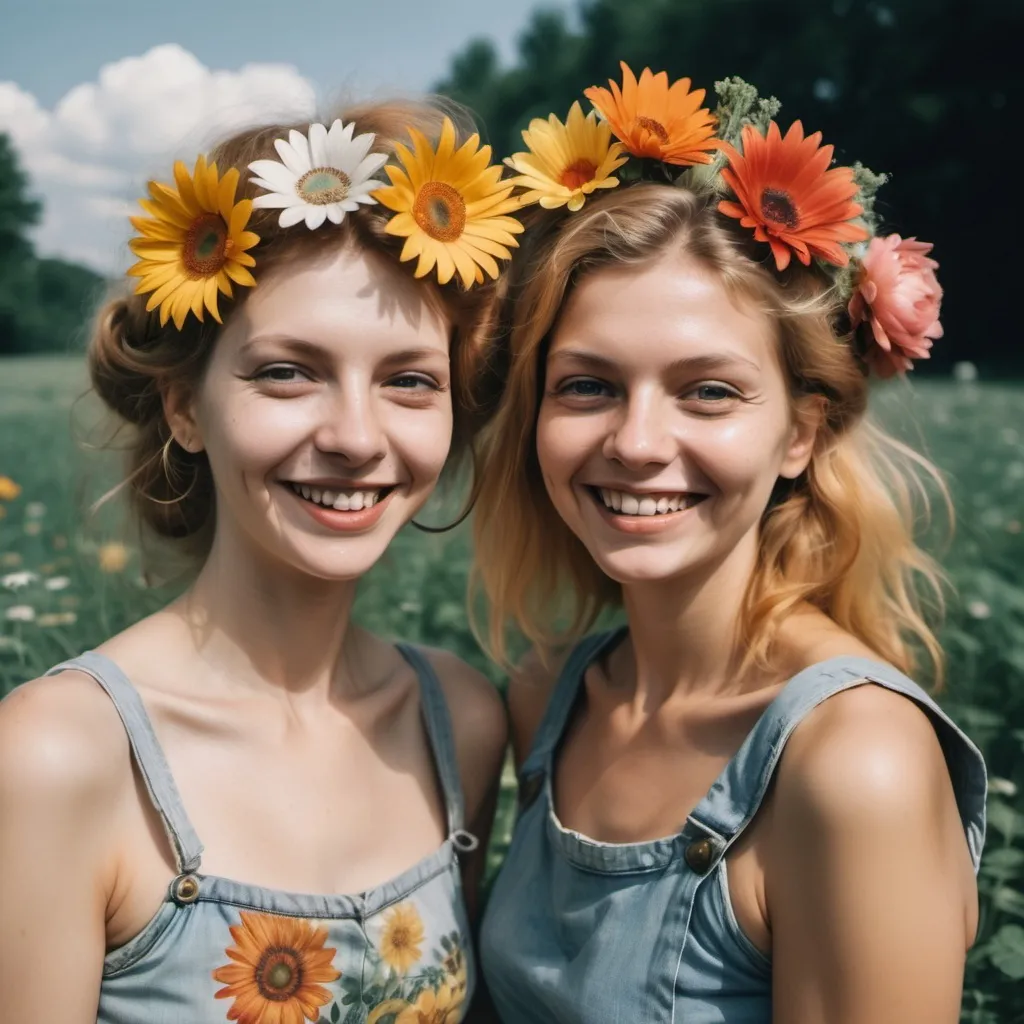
(840, 537)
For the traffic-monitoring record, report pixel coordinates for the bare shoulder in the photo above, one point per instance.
(62, 747)
(478, 721)
(530, 686)
(866, 755)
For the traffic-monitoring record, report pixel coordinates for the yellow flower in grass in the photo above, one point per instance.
(401, 941)
(566, 162)
(193, 244)
(112, 557)
(441, 1007)
(9, 490)
(450, 207)
(277, 970)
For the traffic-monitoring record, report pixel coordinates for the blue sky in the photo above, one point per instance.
(98, 95)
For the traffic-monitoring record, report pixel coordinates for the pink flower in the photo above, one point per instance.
(899, 295)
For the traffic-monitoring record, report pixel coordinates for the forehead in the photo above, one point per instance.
(347, 295)
(669, 308)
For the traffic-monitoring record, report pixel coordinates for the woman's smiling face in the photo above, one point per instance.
(665, 420)
(325, 412)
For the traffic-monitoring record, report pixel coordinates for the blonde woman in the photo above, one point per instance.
(737, 807)
(245, 807)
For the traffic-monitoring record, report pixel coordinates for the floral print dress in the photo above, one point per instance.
(220, 950)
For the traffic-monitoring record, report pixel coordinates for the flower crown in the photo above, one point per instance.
(450, 205)
(783, 187)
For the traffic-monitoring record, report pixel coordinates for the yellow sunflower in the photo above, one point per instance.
(402, 938)
(566, 162)
(441, 1007)
(193, 243)
(450, 207)
(278, 965)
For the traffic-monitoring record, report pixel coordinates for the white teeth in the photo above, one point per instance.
(342, 501)
(633, 505)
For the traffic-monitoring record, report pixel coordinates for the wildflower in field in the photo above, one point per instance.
(899, 295)
(20, 613)
(978, 610)
(33, 528)
(57, 619)
(9, 559)
(9, 490)
(57, 582)
(60, 542)
(113, 556)
(35, 510)
(17, 580)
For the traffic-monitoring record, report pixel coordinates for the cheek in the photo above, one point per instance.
(422, 438)
(563, 443)
(741, 451)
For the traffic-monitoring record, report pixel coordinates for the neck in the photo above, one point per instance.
(267, 626)
(684, 631)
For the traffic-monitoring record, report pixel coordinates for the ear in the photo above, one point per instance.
(179, 411)
(808, 415)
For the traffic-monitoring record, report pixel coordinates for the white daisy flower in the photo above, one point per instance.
(17, 580)
(20, 613)
(320, 177)
(57, 582)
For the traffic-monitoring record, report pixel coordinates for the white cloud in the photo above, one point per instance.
(90, 157)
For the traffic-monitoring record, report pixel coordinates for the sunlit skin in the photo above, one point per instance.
(294, 737)
(660, 384)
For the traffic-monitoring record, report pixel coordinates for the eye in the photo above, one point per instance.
(713, 393)
(281, 373)
(414, 382)
(583, 387)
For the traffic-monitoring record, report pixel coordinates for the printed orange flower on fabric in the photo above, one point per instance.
(278, 970)
(658, 120)
(786, 192)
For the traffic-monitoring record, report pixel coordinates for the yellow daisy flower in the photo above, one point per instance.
(450, 207)
(440, 1007)
(566, 162)
(9, 490)
(112, 556)
(193, 243)
(402, 939)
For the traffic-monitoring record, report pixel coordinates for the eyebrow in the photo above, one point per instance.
(407, 355)
(711, 361)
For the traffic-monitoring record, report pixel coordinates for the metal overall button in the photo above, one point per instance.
(699, 855)
(185, 889)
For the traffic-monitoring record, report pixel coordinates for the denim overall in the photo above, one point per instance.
(584, 932)
(220, 950)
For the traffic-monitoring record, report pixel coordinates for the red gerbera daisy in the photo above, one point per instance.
(786, 192)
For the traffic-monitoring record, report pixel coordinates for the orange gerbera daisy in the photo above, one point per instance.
(278, 964)
(786, 192)
(655, 119)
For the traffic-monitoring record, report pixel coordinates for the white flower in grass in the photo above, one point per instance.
(57, 582)
(17, 580)
(20, 613)
(35, 510)
(320, 177)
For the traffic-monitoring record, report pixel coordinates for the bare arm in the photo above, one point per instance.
(64, 763)
(871, 893)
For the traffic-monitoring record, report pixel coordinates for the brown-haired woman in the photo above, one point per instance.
(286, 447)
(720, 820)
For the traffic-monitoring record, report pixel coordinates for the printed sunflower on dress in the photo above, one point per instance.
(451, 207)
(566, 162)
(657, 120)
(320, 176)
(193, 244)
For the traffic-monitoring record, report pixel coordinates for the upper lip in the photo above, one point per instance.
(341, 485)
(644, 491)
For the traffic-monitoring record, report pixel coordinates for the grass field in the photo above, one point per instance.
(69, 579)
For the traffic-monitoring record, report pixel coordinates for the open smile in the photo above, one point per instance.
(342, 509)
(643, 512)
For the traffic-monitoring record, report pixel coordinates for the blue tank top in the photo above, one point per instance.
(220, 950)
(585, 932)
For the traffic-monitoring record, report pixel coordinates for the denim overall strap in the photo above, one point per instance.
(735, 796)
(147, 751)
(442, 739)
(553, 724)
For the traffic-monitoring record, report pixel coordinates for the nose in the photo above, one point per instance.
(350, 425)
(642, 433)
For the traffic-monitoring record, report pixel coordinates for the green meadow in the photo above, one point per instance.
(70, 576)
